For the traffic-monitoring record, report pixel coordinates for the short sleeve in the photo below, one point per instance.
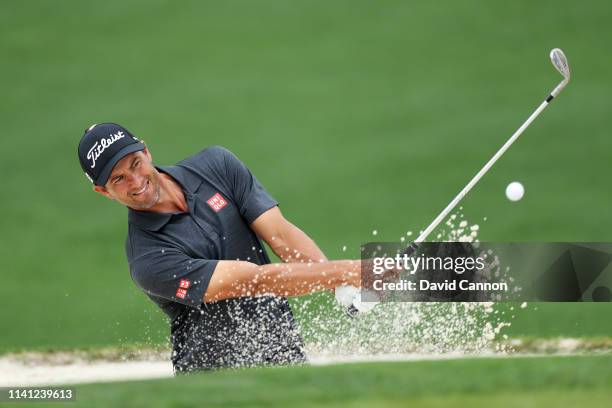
(248, 193)
(171, 274)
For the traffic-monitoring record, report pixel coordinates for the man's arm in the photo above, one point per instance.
(233, 279)
(287, 241)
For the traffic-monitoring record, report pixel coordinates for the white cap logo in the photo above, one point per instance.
(98, 148)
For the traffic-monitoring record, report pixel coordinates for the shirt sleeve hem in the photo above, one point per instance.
(252, 214)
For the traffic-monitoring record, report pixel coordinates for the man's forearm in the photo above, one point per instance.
(287, 241)
(293, 245)
(233, 279)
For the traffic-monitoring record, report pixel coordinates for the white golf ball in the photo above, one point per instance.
(515, 191)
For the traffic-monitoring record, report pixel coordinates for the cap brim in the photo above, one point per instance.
(106, 171)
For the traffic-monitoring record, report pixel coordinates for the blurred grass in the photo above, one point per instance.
(525, 382)
(355, 115)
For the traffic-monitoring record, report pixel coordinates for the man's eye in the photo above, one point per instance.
(137, 163)
(117, 179)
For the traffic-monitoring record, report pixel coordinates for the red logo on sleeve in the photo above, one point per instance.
(181, 293)
(185, 284)
(217, 202)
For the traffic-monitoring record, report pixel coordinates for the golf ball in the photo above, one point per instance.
(515, 191)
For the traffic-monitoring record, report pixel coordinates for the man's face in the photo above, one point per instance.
(134, 182)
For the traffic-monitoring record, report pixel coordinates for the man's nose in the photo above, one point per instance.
(135, 181)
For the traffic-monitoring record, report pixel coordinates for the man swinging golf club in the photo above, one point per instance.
(193, 246)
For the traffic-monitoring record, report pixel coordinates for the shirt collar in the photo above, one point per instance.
(154, 221)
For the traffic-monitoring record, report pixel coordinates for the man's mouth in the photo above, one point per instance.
(142, 190)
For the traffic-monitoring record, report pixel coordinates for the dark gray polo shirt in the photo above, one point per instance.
(173, 256)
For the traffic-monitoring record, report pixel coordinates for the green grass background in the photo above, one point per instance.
(523, 382)
(356, 115)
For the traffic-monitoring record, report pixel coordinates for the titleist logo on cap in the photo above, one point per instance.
(98, 148)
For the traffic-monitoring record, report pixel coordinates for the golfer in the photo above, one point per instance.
(194, 247)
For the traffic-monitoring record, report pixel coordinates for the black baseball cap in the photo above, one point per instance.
(102, 146)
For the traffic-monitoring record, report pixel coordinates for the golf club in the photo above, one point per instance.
(350, 296)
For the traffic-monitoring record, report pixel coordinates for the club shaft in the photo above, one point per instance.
(423, 236)
(414, 245)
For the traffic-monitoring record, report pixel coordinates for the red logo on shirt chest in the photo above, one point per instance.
(217, 202)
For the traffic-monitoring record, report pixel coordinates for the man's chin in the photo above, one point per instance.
(145, 204)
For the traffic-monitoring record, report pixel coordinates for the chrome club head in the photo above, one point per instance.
(560, 62)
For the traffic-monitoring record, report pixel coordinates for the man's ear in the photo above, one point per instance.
(102, 190)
